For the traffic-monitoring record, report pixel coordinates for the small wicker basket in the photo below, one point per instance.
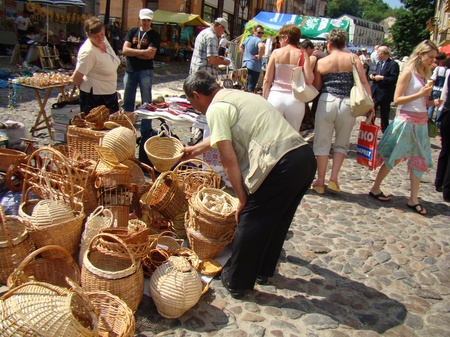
(53, 271)
(98, 114)
(163, 152)
(9, 157)
(165, 196)
(15, 244)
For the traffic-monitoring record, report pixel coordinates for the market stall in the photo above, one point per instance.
(177, 33)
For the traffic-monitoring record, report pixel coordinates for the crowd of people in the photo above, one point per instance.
(269, 165)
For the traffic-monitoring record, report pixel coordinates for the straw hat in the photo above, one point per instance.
(68, 17)
(37, 10)
(43, 11)
(83, 17)
(57, 16)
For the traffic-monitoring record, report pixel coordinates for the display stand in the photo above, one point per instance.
(43, 120)
(49, 57)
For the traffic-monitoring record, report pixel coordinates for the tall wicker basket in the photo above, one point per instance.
(15, 244)
(121, 277)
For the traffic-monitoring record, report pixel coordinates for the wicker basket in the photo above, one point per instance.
(98, 114)
(165, 196)
(177, 223)
(161, 248)
(40, 309)
(84, 140)
(154, 220)
(15, 244)
(137, 241)
(115, 318)
(206, 248)
(9, 157)
(223, 206)
(121, 277)
(66, 234)
(163, 152)
(96, 221)
(122, 141)
(175, 287)
(126, 119)
(53, 271)
(206, 227)
(194, 174)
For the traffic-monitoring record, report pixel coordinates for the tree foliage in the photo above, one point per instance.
(410, 27)
(336, 8)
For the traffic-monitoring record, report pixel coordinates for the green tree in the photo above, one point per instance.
(375, 10)
(336, 8)
(410, 27)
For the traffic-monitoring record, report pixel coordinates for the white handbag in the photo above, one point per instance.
(302, 91)
(360, 100)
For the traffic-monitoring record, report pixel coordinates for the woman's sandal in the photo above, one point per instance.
(418, 208)
(318, 189)
(333, 186)
(380, 196)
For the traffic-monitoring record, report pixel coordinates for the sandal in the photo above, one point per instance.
(418, 208)
(318, 189)
(380, 196)
(333, 186)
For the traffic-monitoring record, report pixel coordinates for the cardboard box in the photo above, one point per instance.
(65, 115)
(60, 127)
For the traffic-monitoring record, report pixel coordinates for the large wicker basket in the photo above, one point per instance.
(122, 141)
(84, 140)
(175, 287)
(207, 248)
(165, 196)
(15, 244)
(53, 270)
(121, 277)
(163, 152)
(40, 309)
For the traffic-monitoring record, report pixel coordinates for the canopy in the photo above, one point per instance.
(311, 27)
(445, 49)
(161, 16)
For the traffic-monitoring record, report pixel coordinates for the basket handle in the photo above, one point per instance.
(18, 271)
(147, 197)
(5, 225)
(99, 211)
(58, 290)
(116, 238)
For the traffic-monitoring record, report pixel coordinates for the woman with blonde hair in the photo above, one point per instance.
(277, 81)
(406, 138)
(333, 76)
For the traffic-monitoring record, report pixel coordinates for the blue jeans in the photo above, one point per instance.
(253, 77)
(131, 80)
(434, 94)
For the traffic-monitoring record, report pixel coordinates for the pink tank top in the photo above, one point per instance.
(282, 79)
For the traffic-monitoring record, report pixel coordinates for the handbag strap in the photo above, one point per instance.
(301, 58)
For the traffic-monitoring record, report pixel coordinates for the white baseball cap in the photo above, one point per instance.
(146, 14)
(224, 23)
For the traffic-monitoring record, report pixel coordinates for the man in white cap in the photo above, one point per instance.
(140, 47)
(206, 50)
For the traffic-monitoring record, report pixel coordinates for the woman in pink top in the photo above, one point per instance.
(277, 81)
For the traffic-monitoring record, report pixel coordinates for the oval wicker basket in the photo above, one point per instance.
(175, 287)
(41, 309)
(53, 271)
(163, 152)
(98, 114)
(50, 212)
(165, 196)
(122, 141)
(206, 226)
(15, 244)
(121, 277)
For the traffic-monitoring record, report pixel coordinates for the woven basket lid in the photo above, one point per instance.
(50, 212)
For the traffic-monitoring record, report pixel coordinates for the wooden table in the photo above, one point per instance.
(42, 117)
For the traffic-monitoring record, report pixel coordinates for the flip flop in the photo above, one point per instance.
(418, 208)
(380, 196)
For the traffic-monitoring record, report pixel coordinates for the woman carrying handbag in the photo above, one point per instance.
(277, 87)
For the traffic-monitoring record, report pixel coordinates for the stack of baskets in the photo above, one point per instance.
(210, 222)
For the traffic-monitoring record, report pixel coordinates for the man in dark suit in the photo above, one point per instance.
(384, 79)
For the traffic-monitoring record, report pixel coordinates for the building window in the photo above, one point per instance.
(152, 4)
(209, 13)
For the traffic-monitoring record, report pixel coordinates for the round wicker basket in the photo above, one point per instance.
(163, 152)
(175, 287)
(122, 141)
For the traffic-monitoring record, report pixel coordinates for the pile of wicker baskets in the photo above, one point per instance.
(210, 222)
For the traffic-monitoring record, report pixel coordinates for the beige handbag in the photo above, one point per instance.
(302, 91)
(360, 100)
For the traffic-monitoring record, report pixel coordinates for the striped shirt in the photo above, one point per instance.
(206, 45)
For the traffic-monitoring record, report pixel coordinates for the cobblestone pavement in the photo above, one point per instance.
(351, 266)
